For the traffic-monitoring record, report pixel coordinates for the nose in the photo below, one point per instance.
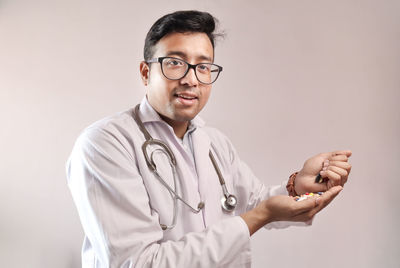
(190, 78)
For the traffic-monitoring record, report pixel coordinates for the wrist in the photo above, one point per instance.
(256, 218)
(299, 187)
(290, 186)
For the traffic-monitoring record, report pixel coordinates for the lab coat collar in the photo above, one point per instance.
(148, 114)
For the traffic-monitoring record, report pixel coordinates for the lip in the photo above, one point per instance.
(186, 98)
(186, 94)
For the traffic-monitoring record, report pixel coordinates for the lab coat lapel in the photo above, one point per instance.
(209, 186)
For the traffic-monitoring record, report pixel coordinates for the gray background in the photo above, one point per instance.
(300, 77)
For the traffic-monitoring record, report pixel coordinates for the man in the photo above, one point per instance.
(134, 210)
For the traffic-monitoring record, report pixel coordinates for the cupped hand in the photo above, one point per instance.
(285, 208)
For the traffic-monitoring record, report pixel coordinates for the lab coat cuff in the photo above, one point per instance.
(242, 240)
(278, 189)
(243, 227)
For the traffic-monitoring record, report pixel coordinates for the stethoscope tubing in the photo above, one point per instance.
(228, 201)
(173, 191)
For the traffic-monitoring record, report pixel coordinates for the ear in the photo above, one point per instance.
(144, 72)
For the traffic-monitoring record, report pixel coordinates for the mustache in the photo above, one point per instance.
(191, 90)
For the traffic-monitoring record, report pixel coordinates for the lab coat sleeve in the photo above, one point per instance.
(119, 224)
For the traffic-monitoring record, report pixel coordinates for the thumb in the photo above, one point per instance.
(329, 195)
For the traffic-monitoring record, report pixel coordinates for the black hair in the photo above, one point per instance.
(180, 22)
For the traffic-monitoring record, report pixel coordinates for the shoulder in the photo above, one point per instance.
(115, 130)
(119, 122)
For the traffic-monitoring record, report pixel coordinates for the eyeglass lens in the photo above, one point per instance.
(176, 69)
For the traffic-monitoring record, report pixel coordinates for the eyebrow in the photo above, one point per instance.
(184, 56)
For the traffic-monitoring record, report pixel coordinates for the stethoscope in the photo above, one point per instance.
(228, 201)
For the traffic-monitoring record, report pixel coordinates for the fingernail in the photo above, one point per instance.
(324, 168)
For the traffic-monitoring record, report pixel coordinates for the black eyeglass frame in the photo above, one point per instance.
(190, 66)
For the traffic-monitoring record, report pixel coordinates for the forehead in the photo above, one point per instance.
(189, 46)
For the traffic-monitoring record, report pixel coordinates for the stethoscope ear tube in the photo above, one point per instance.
(149, 160)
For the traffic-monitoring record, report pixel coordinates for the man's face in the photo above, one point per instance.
(179, 100)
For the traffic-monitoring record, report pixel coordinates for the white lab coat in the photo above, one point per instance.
(121, 204)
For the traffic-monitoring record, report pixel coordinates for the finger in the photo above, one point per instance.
(327, 197)
(303, 206)
(325, 163)
(347, 153)
(339, 157)
(307, 214)
(335, 178)
(342, 172)
(341, 164)
(305, 217)
(348, 172)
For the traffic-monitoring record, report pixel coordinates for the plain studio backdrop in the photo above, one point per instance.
(300, 77)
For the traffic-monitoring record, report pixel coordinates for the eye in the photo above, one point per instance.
(204, 68)
(174, 63)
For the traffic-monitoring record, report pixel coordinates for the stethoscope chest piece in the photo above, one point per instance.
(229, 203)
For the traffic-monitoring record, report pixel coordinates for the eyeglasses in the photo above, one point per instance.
(175, 69)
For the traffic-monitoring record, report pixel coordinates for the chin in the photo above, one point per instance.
(185, 114)
(184, 118)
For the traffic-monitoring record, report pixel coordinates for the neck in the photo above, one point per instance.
(180, 127)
